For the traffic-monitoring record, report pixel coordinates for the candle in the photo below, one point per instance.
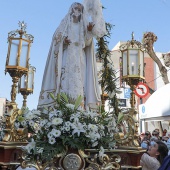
(132, 67)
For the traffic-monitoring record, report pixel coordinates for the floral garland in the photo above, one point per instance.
(66, 124)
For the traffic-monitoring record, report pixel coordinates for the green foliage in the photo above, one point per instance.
(120, 118)
(108, 74)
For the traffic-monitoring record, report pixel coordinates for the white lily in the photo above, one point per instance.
(93, 136)
(78, 128)
(51, 114)
(101, 152)
(75, 117)
(30, 146)
(95, 144)
(92, 127)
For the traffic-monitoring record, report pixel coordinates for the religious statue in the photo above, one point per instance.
(71, 63)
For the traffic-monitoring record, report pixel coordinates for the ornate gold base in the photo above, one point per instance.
(10, 154)
(130, 156)
(11, 133)
(114, 159)
(76, 160)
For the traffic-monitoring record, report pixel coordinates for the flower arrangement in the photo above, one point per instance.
(66, 124)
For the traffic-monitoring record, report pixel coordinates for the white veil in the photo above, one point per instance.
(52, 72)
(94, 9)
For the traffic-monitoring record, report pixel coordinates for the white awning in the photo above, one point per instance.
(157, 105)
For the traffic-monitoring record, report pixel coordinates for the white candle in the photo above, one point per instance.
(133, 67)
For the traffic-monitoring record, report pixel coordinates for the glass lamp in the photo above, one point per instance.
(26, 84)
(132, 62)
(17, 62)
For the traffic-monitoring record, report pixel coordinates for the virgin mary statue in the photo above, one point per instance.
(71, 63)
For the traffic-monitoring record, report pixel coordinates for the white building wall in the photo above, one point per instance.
(2, 106)
(115, 56)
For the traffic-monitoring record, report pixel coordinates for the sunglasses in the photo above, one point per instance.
(164, 140)
(154, 134)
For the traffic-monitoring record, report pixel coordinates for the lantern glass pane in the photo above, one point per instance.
(133, 62)
(23, 82)
(24, 54)
(13, 53)
(125, 63)
(30, 79)
(141, 63)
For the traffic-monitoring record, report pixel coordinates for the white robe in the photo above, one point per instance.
(71, 69)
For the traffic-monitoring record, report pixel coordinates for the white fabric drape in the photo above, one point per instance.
(95, 12)
(71, 68)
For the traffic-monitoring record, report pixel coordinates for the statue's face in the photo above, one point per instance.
(77, 10)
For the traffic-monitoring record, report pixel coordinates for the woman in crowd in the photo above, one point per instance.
(153, 158)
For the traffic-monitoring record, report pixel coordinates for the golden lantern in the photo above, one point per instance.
(132, 65)
(17, 65)
(132, 74)
(26, 84)
(17, 62)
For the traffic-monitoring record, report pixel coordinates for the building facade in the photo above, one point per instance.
(153, 80)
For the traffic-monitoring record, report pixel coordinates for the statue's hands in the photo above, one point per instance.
(67, 41)
(90, 26)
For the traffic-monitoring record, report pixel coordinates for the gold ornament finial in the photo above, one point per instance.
(22, 25)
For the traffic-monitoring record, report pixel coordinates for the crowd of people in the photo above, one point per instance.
(157, 156)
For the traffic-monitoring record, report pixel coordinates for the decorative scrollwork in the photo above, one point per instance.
(129, 137)
(76, 160)
(21, 32)
(107, 161)
(132, 44)
(11, 133)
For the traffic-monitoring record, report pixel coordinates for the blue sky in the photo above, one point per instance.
(43, 17)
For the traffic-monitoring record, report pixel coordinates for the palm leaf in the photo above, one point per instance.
(64, 97)
(78, 101)
(120, 117)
